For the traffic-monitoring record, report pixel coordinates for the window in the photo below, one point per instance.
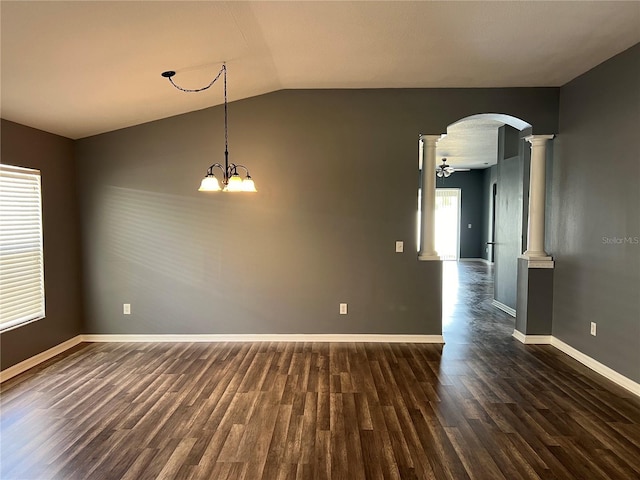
(21, 259)
(448, 203)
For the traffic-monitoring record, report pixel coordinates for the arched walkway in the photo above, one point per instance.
(512, 121)
(528, 176)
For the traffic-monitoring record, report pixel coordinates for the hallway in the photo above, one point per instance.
(554, 410)
(468, 315)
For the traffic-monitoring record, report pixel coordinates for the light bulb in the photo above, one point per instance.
(209, 184)
(248, 185)
(235, 183)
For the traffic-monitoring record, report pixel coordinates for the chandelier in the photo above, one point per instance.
(231, 180)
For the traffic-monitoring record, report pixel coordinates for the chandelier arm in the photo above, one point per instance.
(219, 165)
(236, 165)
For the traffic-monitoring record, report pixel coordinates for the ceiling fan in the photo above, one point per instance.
(445, 170)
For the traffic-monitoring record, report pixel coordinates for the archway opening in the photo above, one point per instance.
(485, 151)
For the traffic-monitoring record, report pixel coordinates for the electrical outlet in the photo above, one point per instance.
(593, 328)
(126, 308)
(343, 309)
(399, 247)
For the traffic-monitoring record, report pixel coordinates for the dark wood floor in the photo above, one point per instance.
(483, 406)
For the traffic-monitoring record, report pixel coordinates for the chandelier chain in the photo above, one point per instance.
(195, 90)
(169, 75)
(226, 134)
(230, 178)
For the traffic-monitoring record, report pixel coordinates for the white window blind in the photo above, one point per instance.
(21, 262)
(448, 223)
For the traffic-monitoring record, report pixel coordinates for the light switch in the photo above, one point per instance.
(399, 247)
(469, 226)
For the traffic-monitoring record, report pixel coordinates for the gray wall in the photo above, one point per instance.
(596, 200)
(489, 177)
(336, 173)
(509, 214)
(470, 185)
(53, 156)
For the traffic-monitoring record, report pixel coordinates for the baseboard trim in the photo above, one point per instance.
(25, 365)
(597, 367)
(532, 339)
(586, 360)
(353, 338)
(335, 338)
(503, 307)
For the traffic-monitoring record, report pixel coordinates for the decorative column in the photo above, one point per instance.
(534, 303)
(428, 234)
(537, 195)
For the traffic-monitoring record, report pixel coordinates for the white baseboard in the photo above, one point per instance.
(336, 338)
(503, 307)
(594, 365)
(597, 367)
(25, 365)
(532, 339)
(586, 360)
(355, 338)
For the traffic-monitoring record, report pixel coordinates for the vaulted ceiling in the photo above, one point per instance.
(86, 67)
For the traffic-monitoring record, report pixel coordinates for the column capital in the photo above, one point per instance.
(538, 139)
(430, 139)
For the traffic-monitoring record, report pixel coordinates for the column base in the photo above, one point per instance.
(428, 257)
(538, 261)
(534, 303)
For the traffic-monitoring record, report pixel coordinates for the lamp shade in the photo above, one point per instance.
(235, 183)
(209, 184)
(248, 185)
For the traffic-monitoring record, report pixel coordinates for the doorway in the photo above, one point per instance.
(448, 202)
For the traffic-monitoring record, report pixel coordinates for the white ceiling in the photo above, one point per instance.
(470, 144)
(86, 67)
